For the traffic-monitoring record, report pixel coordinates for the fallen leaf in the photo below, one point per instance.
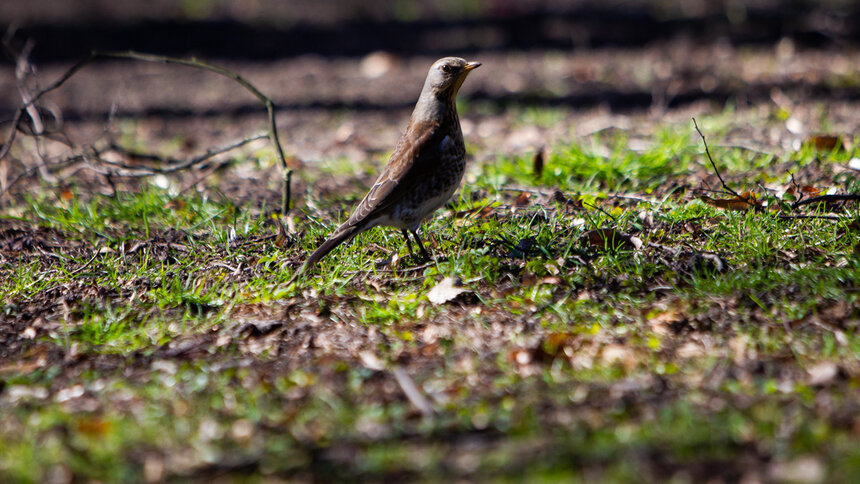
(447, 289)
(282, 240)
(607, 239)
(744, 201)
(810, 190)
(522, 200)
(175, 204)
(825, 142)
(93, 427)
(556, 343)
(66, 195)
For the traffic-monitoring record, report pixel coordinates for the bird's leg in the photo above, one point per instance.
(408, 242)
(424, 252)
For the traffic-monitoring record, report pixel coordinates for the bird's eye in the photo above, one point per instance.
(446, 68)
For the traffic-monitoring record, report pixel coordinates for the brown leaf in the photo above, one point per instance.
(175, 204)
(282, 240)
(522, 200)
(93, 427)
(556, 343)
(603, 239)
(825, 142)
(745, 201)
(66, 195)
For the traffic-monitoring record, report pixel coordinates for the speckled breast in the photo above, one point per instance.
(438, 187)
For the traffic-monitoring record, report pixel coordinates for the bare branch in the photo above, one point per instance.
(176, 165)
(714, 165)
(192, 62)
(847, 197)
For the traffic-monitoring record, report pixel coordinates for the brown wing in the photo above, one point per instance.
(412, 160)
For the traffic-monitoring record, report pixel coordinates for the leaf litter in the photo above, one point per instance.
(587, 324)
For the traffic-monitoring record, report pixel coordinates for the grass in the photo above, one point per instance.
(152, 336)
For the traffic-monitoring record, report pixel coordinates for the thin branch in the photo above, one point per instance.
(714, 165)
(28, 172)
(817, 217)
(180, 165)
(192, 62)
(847, 197)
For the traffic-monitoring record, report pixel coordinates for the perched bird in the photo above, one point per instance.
(424, 170)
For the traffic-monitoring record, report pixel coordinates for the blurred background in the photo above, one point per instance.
(270, 29)
(350, 70)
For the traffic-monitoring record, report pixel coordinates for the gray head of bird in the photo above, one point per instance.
(446, 76)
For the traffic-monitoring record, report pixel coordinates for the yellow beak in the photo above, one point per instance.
(472, 65)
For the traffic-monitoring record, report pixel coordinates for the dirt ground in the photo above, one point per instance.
(661, 63)
(780, 72)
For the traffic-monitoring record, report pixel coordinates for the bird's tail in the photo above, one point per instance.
(341, 235)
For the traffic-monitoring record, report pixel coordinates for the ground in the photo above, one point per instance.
(599, 308)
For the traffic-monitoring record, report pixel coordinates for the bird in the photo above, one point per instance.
(424, 170)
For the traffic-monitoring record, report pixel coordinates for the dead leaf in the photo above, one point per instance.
(810, 190)
(744, 201)
(282, 240)
(556, 343)
(176, 204)
(66, 195)
(93, 427)
(825, 142)
(604, 239)
(447, 289)
(522, 200)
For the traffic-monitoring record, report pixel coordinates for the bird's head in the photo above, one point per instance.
(447, 75)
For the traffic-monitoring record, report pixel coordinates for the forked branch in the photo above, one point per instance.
(192, 62)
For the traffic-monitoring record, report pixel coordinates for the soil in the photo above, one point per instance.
(344, 81)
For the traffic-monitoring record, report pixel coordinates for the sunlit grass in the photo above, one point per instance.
(145, 272)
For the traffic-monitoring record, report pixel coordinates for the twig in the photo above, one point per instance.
(81, 269)
(96, 55)
(847, 197)
(595, 207)
(181, 165)
(31, 170)
(714, 165)
(389, 271)
(820, 217)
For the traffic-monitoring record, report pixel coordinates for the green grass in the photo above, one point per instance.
(562, 360)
